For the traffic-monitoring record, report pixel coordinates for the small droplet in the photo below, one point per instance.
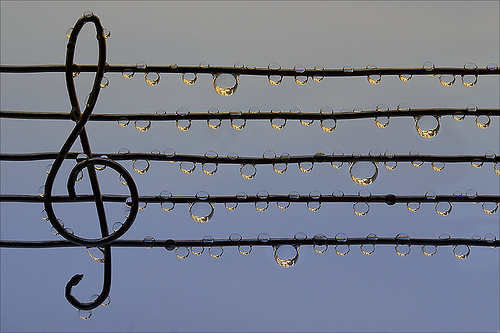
(337, 165)
(413, 206)
(96, 253)
(187, 167)
(348, 69)
(239, 65)
(286, 255)
(189, 78)
(204, 64)
(148, 242)
(263, 237)
(197, 250)
(275, 79)
(430, 195)
(152, 78)
(41, 191)
(216, 252)
(88, 13)
(142, 125)
(443, 208)
(248, 171)
(68, 32)
(306, 166)
(274, 66)
(128, 73)
(373, 79)
(491, 66)
(123, 122)
(469, 80)
(461, 251)
(104, 82)
(182, 252)
(318, 77)
(140, 65)
(438, 166)
(405, 77)
(428, 66)
(84, 314)
(141, 166)
(483, 121)
(117, 226)
(447, 80)
(361, 208)
(106, 33)
(489, 207)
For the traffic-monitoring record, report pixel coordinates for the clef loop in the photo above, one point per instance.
(89, 163)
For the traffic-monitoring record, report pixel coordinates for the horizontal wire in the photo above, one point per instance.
(384, 198)
(253, 71)
(316, 158)
(257, 116)
(260, 242)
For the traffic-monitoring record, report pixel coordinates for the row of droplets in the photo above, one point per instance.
(286, 258)
(427, 126)
(362, 172)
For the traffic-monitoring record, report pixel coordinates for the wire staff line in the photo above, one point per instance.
(256, 116)
(316, 158)
(390, 199)
(258, 71)
(132, 243)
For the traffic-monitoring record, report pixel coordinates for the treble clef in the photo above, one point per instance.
(89, 163)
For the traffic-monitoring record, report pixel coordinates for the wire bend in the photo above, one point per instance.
(105, 288)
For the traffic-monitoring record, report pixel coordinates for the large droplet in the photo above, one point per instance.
(363, 172)
(427, 126)
(201, 211)
(286, 255)
(225, 84)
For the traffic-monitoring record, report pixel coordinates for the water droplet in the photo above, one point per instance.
(471, 193)
(183, 124)
(88, 13)
(483, 121)
(96, 253)
(428, 66)
(459, 116)
(122, 180)
(286, 255)
(189, 78)
(469, 80)
(318, 77)
(461, 251)
(443, 208)
(235, 237)
(41, 191)
(104, 82)
(187, 167)
(225, 84)
(402, 247)
(68, 32)
(275, 79)
(106, 33)
(248, 171)
(214, 123)
(274, 66)
(128, 73)
(490, 238)
(348, 69)
(438, 166)
(430, 195)
(174, 65)
(141, 65)
(300, 236)
(471, 108)
(245, 249)
(390, 165)
(427, 126)
(283, 204)
(264, 237)
(231, 205)
(140, 166)
(320, 245)
(429, 254)
(328, 125)
(251, 67)
(201, 211)
(75, 74)
(306, 166)
(216, 252)
(142, 125)
(117, 226)
(84, 314)
(123, 122)
(338, 193)
(413, 206)
(490, 207)
(447, 80)
(277, 123)
(169, 245)
(477, 163)
(197, 250)
(148, 242)
(368, 249)
(182, 252)
(373, 79)
(337, 165)
(363, 172)
(239, 65)
(204, 64)
(152, 78)
(491, 66)
(361, 208)
(444, 236)
(496, 168)
(416, 162)
(241, 196)
(405, 77)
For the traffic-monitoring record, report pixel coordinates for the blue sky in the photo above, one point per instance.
(152, 290)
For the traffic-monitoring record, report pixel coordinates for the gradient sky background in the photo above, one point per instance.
(152, 290)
